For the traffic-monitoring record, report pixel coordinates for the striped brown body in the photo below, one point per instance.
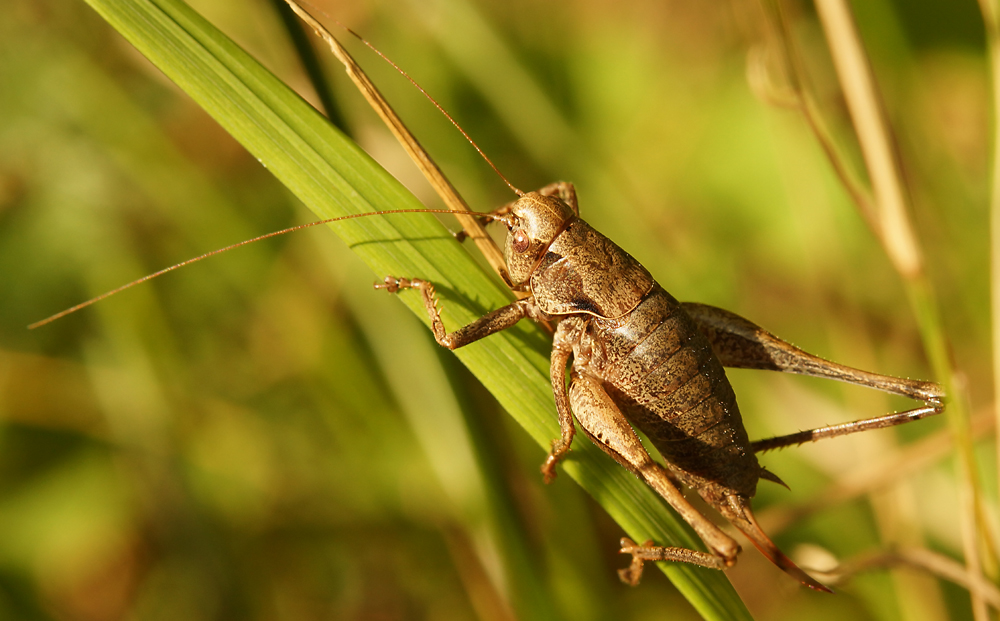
(663, 374)
(651, 359)
(642, 360)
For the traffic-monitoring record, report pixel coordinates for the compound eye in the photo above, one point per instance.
(521, 241)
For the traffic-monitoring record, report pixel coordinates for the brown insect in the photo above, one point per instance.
(642, 359)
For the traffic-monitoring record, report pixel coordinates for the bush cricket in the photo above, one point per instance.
(642, 359)
(569, 282)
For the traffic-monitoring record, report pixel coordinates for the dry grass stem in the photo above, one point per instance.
(873, 133)
(782, 44)
(896, 234)
(420, 157)
(921, 559)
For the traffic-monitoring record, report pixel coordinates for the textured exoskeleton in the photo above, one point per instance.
(642, 359)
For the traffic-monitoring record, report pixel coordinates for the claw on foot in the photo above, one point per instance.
(559, 449)
(549, 468)
(633, 573)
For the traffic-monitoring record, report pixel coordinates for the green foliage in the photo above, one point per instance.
(261, 436)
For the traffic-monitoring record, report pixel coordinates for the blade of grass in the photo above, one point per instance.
(333, 177)
(781, 41)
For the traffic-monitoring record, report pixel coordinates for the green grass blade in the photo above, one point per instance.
(333, 177)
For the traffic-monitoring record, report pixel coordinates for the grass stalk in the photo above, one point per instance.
(332, 176)
(895, 232)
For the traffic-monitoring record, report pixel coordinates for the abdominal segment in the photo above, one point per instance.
(663, 374)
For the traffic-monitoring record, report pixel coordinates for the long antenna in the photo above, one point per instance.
(299, 227)
(389, 117)
(436, 105)
(422, 91)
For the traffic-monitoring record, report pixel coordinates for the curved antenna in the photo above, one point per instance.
(299, 227)
(436, 105)
(425, 94)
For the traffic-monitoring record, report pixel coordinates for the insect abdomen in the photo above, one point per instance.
(670, 384)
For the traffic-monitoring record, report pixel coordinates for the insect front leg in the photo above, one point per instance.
(564, 190)
(495, 321)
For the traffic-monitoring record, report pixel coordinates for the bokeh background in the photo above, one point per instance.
(261, 436)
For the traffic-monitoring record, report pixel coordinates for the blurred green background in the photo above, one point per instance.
(263, 437)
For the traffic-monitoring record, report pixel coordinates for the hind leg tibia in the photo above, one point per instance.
(602, 421)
